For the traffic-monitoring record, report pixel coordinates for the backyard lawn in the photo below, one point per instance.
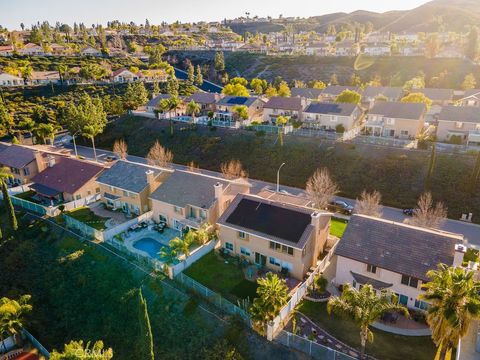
(88, 217)
(27, 195)
(338, 226)
(385, 346)
(223, 277)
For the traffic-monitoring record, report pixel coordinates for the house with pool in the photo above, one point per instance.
(189, 199)
(127, 186)
(273, 234)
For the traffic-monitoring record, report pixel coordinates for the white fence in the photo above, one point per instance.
(196, 255)
(81, 202)
(110, 233)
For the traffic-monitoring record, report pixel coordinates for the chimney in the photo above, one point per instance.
(218, 187)
(316, 220)
(50, 161)
(460, 250)
(41, 165)
(150, 179)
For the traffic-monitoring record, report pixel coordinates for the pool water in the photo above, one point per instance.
(150, 246)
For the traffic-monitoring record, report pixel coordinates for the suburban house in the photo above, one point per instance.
(188, 199)
(306, 93)
(290, 107)
(31, 49)
(319, 49)
(470, 98)
(65, 179)
(347, 48)
(331, 92)
(371, 93)
(153, 104)
(278, 236)
(438, 96)
(377, 49)
(7, 79)
(90, 51)
(124, 76)
(331, 116)
(58, 49)
(22, 163)
(207, 101)
(44, 77)
(6, 50)
(462, 122)
(226, 105)
(127, 186)
(393, 256)
(396, 119)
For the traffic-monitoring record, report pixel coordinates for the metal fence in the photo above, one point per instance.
(212, 297)
(84, 229)
(314, 349)
(272, 129)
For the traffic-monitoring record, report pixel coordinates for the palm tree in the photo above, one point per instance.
(364, 307)
(454, 296)
(46, 131)
(272, 296)
(170, 105)
(11, 315)
(193, 109)
(4, 176)
(280, 122)
(183, 245)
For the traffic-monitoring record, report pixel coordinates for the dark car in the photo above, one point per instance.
(110, 158)
(342, 206)
(409, 211)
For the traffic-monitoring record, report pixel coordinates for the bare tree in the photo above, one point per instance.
(159, 156)
(369, 204)
(321, 188)
(192, 167)
(233, 170)
(428, 214)
(120, 148)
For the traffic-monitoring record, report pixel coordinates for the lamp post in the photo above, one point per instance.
(278, 177)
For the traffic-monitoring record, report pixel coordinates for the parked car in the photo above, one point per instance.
(342, 206)
(409, 211)
(111, 158)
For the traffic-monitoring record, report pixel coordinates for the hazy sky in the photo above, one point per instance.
(13, 12)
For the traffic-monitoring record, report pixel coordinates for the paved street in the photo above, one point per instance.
(470, 231)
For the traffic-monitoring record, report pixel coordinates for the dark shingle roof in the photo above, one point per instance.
(16, 156)
(237, 100)
(399, 110)
(460, 113)
(472, 92)
(396, 247)
(282, 223)
(284, 103)
(203, 98)
(377, 284)
(127, 175)
(335, 90)
(185, 188)
(436, 94)
(308, 93)
(67, 175)
(339, 109)
(389, 92)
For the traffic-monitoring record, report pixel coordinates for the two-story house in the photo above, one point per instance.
(470, 98)
(22, 163)
(372, 93)
(396, 119)
(440, 97)
(65, 179)
(226, 105)
(127, 186)
(331, 116)
(394, 256)
(289, 107)
(274, 235)
(207, 101)
(459, 121)
(188, 199)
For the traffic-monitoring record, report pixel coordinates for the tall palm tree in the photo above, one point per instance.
(170, 106)
(12, 314)
(272, 296)
(454, 296)
(4, 176)
(193, 109)
(365, 307)
(183, 245)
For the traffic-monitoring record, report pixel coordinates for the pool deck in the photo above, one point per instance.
(163, 238)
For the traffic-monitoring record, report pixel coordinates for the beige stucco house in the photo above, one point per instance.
(289, 107)
(459, 121)
(393, 256)
(188, 199)
(21, 162)
(328, 116)
(224, 108)
(274, 235)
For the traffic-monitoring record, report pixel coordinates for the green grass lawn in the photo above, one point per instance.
(225, 278)
(87, 216)
(338, 226)
(385, 346)
(27, 195)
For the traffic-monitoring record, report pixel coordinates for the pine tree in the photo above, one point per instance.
(190, 74)
(8, 203)
(199, 77)
(219, 61)
(146, 345)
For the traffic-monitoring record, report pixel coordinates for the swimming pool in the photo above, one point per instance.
(151, 246)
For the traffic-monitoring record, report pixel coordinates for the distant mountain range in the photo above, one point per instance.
(436, 15)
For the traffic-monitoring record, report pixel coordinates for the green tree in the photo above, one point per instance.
(183, 245)
(46, 131)
(240, 112)
(418, 82)
(172, 86)
(92, 72)
(317, 84)
(364, 307)
(136, 95)
(469, 82)
(170, 106)
(280, 121)
(193, 108)
(75, 350)
(270, 91)
(258, 86)
(146, 345)
(349, 97)
(471, 50)
(6, 120)
(199, 76)
(417, 98)
(454, 296)
(12, 218)
(190, 74)
(239, 80)
(283, 89)
(12, 313)
(219, 61)
(272, 295)
(235, 90)
(156, 52)
(334, 79)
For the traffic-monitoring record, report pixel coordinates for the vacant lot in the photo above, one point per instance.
(399, 175)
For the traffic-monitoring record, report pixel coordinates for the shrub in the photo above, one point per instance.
(455, 139)
(340, 129)
(260, 133)
(321, 283)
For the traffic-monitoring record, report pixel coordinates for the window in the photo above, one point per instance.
(97, 190)
(77, 197)
(177, 209)
(125, 193)
(404, 132)
(241, 235)
(162, 219)
(274, 261)
(229, 246)
(390, 121)
(422, 305)
(26, 171)
(371, 269)
(245, 251)
(458, 125)
(409, 281)
(203, 214)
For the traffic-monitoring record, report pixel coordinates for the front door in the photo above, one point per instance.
(403, 300)
(260, 259)
(126, 208)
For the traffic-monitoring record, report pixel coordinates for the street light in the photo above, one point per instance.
(278, 177)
